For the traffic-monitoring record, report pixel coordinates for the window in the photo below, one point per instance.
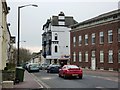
(86, 56)
(74, 41)
(86, 39)
(80, 40)
(101, 34)
(74, 57)
(110, 56)
(101, 56)
(119, 35)
(56, 36)
(62, 17)
(110, 36)
(61, 23)
(93, 38)
(93, 53)
(118, 56)
(56, 49)
(80, 57)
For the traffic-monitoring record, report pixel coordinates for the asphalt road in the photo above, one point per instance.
(89, 81)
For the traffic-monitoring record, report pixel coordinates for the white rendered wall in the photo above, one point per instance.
(64, 40)
(0, 35)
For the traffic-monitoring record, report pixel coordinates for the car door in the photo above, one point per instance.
(62, 70)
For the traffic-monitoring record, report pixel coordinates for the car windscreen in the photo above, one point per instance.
(72, 66)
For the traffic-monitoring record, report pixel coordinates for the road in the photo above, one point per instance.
(89, 81)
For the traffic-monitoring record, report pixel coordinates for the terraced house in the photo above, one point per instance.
(95, 43)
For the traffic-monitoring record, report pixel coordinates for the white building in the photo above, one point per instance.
(56, 39)
(4, 34)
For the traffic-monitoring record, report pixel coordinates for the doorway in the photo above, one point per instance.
(93, 63)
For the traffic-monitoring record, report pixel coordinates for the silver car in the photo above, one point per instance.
(33, 67)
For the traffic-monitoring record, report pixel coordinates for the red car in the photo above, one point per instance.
(70, 71)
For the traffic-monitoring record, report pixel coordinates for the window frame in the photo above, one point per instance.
(56, 49)
(110, 56)
(93, 38)
(80, 56)
(101, 56)
(74, 57)
(86, 56)
(80, 40)
(110, 36)
(101, 35)
(119, 35)
(86, 39)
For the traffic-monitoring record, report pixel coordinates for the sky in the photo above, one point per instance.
(32, 19)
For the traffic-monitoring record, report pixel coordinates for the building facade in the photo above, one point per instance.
(95, 43)
(4, 34)
(56, 39)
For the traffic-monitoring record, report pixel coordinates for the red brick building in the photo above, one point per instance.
(95, 43)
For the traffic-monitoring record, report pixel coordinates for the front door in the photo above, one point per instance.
(93, 63)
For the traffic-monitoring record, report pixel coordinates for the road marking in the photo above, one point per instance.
(99, 87)
(106, 78)
(40, 82)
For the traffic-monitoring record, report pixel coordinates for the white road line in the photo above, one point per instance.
(40, 82)
(106, 78)
(99, 87)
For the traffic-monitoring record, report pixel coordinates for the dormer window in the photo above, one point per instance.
(61, 23)
(61, 17)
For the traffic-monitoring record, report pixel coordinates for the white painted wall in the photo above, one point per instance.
(0, 35)
(64, 40)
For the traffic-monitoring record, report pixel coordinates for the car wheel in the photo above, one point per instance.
(80, 77)
(64, 76)
(59, 75)
(47, 71)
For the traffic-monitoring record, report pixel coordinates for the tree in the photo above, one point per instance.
(24, 55)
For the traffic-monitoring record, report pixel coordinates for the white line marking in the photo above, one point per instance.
(40, 82)
(106, 78)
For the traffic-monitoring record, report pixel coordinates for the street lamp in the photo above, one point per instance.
(19, 28)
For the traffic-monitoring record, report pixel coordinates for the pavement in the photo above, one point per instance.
(31, 83)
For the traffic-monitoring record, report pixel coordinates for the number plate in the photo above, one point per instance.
(74, 74)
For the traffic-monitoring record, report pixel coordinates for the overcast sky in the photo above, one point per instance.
(32, 18)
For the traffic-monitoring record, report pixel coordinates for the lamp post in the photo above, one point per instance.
(19, 28)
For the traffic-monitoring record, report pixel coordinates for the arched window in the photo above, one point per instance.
(56, 49)
(56, 36)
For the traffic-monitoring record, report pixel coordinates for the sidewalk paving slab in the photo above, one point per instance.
(29, 82)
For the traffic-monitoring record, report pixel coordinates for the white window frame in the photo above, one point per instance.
(74, 41)
(93, 37)
(101, 56)
(80, 57)
(61, 23)
(80, 40)
(101, 34)
(86, 56)
(61, 17)
(74, 57)
(93, 53)
(119, 56)
(110, 56)
(110, 34)
(86, 38)
(119, 35)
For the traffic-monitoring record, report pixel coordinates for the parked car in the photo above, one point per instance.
(44, 66)
(53, 68)
(33, 67)
(70, 71)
